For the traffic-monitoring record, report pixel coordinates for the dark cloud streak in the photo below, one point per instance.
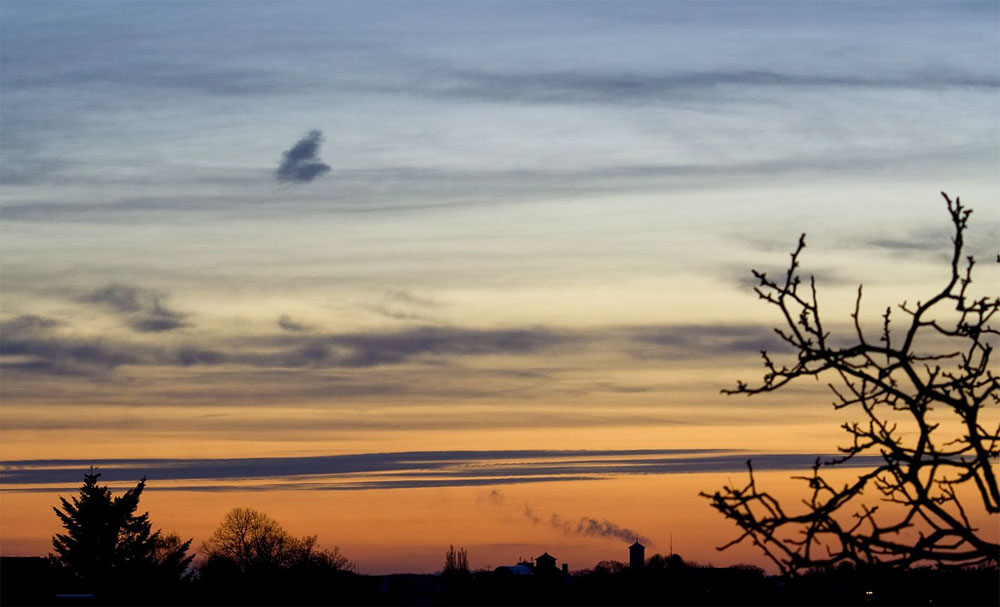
(298, 347)
(418, 469)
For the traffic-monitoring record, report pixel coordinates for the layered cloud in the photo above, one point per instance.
(415, 469)
(42, 346)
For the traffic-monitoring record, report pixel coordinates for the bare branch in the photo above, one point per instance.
(931, 470)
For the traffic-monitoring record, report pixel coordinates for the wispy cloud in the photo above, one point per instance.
(144, 310)
(617, 87)
(702, 341)
(301, 163)
(285, 322)
(175, 76)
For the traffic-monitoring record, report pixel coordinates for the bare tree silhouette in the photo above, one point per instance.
(456, 561)
(925, 392)
(251, 541)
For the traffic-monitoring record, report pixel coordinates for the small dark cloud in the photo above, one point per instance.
(286, 323)
(143, 309)
(301, 163)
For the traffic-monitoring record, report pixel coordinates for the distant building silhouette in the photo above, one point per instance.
(543, 565)
(546, 563)
(636, 555)
(513, 570)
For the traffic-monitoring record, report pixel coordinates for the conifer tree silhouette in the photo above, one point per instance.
(106, 542)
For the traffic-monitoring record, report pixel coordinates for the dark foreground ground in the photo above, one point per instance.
(31, 581)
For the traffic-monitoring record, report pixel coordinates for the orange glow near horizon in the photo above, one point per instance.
(408, 530)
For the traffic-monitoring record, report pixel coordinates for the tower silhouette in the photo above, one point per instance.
(636, 555)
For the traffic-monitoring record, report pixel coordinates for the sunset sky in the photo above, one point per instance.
(415, 274)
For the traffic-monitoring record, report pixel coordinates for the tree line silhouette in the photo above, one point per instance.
(109, 555)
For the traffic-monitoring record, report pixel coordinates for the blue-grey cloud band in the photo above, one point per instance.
(402, 470)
